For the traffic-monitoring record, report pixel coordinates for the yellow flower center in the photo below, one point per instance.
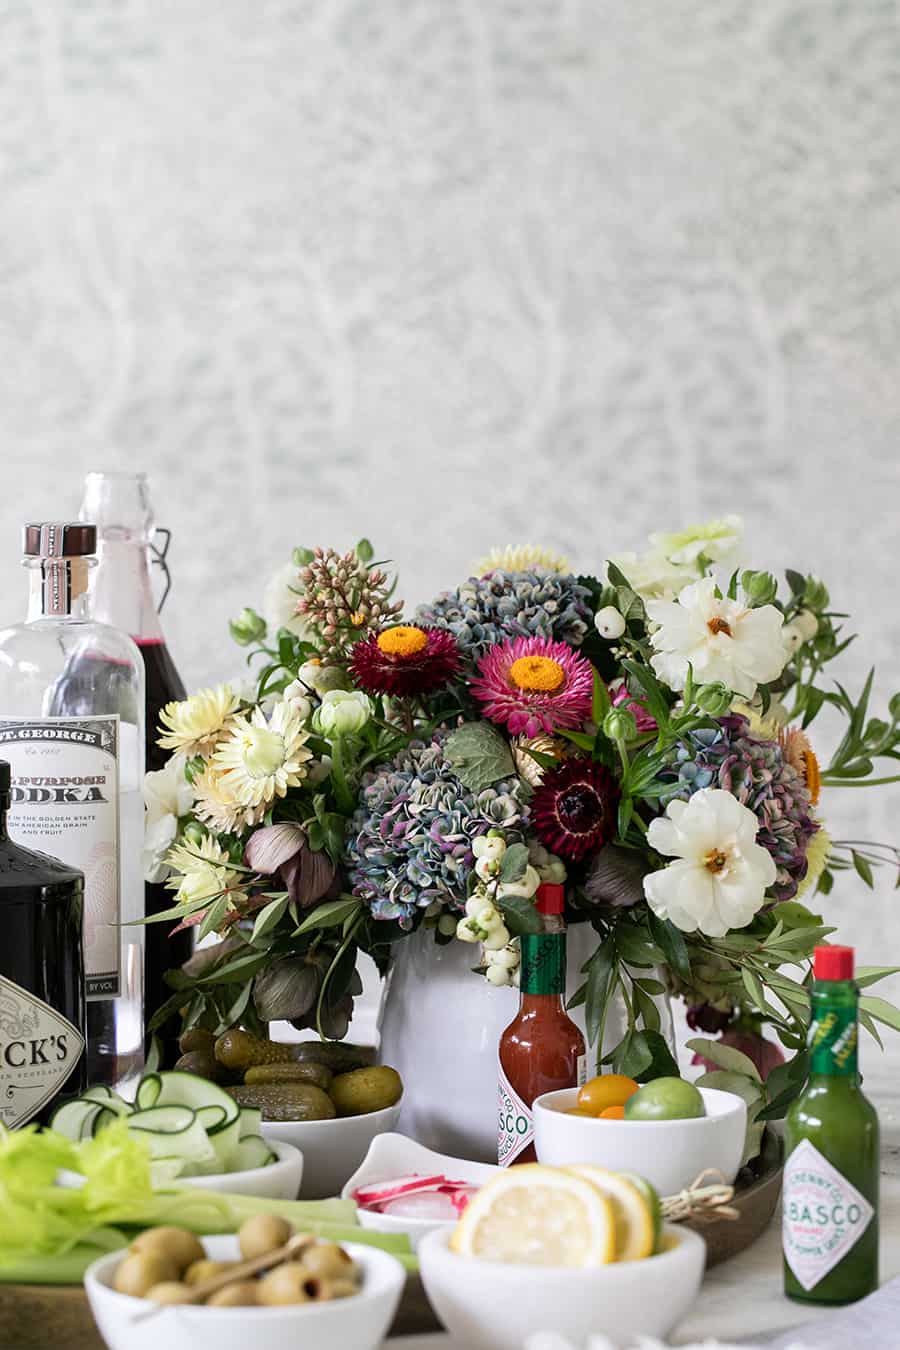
(716, 861)
(537, 674)
(357, 618)
(262, 751)
(403, 641)
(719, 625)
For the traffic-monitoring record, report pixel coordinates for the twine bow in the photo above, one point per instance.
(702, 1203)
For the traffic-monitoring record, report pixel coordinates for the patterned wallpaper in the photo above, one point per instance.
(452, 272)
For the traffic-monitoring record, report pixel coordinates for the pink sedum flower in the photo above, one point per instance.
(534, 686)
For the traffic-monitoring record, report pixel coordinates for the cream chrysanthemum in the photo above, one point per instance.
(521, 558)
(261, 759)
(217, 807)
(194, 725)
(201, 872)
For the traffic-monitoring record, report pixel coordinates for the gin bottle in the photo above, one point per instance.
(122, 594)
(41, 978)
(72, 729)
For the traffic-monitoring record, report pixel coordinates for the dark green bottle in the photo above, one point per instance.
(830, 1194)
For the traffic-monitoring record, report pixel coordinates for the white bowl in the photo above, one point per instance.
(486, 1305)
(394, 1155)
(277, 1181)
(332, 1149)
(669, 1153)
(356, 1323)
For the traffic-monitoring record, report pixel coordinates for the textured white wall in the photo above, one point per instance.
(451, 272)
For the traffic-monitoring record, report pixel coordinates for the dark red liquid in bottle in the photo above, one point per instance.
(162, 952)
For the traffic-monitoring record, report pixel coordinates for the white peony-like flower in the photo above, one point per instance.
(720, 875)
(652, 576)
(167, 795)
(720, 638)
(718, 541)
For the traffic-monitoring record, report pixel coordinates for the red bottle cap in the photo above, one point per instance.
(551, 898)
(833, 963)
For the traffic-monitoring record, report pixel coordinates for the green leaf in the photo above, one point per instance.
(796, 581)
(626, 811)
(725, 1056)
(269, 918)
(480, 755)
(792, 1074)
(825, 883)
(520, 915)
(866, 1021)
(672, 944)
(646, 1056)
(329, 915)
(646, 1008)
(881, 1010)
(863, 868)
(754, 988)
(634, 946)
(214, 916)
(653, 696)
(240, 967)
(513, 864)
(601, 702)
(364, 551)
(601, 971)
(812, 704)
(579, 738)
(866, 975)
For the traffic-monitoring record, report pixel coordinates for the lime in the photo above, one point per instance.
(665, 1099)
(654, 1204)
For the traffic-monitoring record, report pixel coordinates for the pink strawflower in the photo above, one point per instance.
(764, 1054)
(622, 699)
(534, 685)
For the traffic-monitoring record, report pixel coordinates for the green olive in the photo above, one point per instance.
(328, 1261)
(262, 1234)
(171, 1291)
(365, 1090)
(204, 1270)
(290, 1283)
(332, 1289)
(241, 1294)
(175, 1245)
(140, 1271)
(665, 1099)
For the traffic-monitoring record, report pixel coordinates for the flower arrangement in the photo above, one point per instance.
(642, 736)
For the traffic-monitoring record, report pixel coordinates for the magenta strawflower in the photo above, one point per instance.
(573, 812)
(405, 661)
(534, 685)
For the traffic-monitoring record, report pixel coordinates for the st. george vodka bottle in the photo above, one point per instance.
(72, 729)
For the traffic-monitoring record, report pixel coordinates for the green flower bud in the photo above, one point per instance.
(194, 834)
(302, 557)
(247, 627)
(714, 699)
(815, 594)
(342, 713)
(619, 725)
(760, 588)
(894, 708)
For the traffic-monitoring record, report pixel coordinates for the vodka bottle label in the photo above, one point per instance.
(39, 1049)
(65, 802)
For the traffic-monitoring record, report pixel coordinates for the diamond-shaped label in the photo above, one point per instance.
(39, 1048)
(823, 1216)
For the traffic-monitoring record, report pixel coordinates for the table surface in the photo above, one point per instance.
(742, 1299)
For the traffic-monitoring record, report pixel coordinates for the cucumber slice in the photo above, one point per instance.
(188, 1089)
(251, 1120)
(69, 1118)
(211, 1117)
(163, 1171)
(148, 1090)
(163, 1119)
(104, 1117)
(175, 1131)
(87, 1124)
(104, 1096)
(252, 1151)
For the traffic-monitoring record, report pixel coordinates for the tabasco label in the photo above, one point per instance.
(515, 1124)
(823, 1216)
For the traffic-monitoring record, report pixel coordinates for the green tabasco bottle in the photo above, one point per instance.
(830, 1195)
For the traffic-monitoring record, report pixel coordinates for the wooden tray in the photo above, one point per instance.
(35, 1316)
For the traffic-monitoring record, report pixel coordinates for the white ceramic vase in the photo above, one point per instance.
(440, 1027)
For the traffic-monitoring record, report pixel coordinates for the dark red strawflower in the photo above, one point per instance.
(405, 661)
(573, 812)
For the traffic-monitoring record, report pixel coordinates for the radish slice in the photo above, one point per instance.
(423, 1205)
(389, 1190)
(416, 1197)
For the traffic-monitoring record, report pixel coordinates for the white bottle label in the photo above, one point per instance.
(581, 1076)
(823, 1216)
(515, 1124)
(65, 802)
(39, 1048)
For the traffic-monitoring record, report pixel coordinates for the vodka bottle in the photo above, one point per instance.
(72, 729)
(122, 594)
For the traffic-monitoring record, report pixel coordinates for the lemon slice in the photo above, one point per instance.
(539, 1216)
(651, 1195)
(632, 1211)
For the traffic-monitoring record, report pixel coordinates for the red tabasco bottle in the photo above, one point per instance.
(542, 1049)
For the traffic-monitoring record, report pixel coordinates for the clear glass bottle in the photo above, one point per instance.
(72, 729)
(118, 504)
(41, 978)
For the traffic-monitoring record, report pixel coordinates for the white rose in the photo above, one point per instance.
(167, 795)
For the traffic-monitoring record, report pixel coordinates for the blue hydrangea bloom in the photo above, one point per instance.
(487, 610)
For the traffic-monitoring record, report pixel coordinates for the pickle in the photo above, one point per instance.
(241, 1051)
(338, 1056)
(309, 1072)
(286, 1101)
(365, 1090)
(198, 1038)
(201, 1063)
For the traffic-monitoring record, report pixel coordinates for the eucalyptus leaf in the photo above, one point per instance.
(881, 1010)
(520, 915)
(646, 1056)
(866, 975)
(513, 863)
(601, 971)
(671, 942)
(480, 755)
(725, 1057)
(269, 918)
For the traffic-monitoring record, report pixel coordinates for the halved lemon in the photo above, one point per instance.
(540, 1216)
(632, 1211)
(651, 1195)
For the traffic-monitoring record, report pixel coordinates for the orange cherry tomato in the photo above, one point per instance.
(610, 1089)
(613, 1113)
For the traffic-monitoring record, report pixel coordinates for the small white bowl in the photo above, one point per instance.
(486, 1305)
(670, 1154)
(332, 1149)
(356, 1323)
(276, 1181)
(394, 1155)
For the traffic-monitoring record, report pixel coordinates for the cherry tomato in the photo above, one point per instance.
(610, 1089)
